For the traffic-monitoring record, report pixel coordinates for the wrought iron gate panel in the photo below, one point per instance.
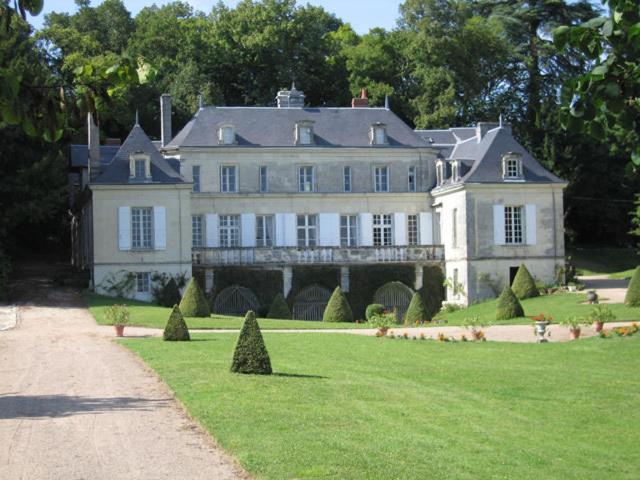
(311, 302)
(235, 300)
(394, 295)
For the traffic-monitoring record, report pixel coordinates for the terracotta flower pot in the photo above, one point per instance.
(477, 334)
(383, 331)
(119, 330)
(574, 333)
(598, 326)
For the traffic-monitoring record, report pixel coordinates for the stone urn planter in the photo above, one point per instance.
(119, 330)
(592, 297)
(540, 329)
(574, 333)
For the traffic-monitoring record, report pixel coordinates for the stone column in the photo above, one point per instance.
(344, 279)
(419, 277)
(287, 280)
(208, 280)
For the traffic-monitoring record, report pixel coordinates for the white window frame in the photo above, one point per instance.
(227, 135)
(382, 230)
(143, 282)
(513, 225)
(195, 174)
(226, 186)
(263, 179)
(197, 231)
(348, 230)
(304, 179)
(455, 171)
(347, 179)
(439, 173)
(413, 230)
(454, 228)
(378, 177)
(307, 230)
(304, 134)
(378, 134)
(229, 231)
(512, 169)
(142, 232)
(412, 179)
(265, 230)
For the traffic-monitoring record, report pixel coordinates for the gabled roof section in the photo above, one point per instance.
(274, 127)
(117, 172)
(80, 155)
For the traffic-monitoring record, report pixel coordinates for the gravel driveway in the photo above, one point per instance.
(75, 405)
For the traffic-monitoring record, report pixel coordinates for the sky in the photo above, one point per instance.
(361, 14)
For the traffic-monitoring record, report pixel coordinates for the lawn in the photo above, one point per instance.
(615, 262)
(148, 315)
(351, 407)
(559, 306)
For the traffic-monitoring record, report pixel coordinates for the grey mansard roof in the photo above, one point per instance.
(274, 127)
(481, 160)
(164, 171)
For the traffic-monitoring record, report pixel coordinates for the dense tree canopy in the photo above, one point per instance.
(447, 63)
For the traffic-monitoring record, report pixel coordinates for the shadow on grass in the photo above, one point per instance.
(297, 375)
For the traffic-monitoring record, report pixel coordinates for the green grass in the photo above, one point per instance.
(559, 306)
(351, 407)
(148, 315)
(626, 274)
(604, 261)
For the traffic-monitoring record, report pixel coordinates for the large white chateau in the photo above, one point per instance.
(295, 199)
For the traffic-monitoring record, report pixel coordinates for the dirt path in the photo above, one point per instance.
(609, 290)
(75, 405)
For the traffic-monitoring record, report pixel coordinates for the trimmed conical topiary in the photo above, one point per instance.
(416, 313)
(194, 303)
(279, 308)
(170, 294)
(632, 297)
(508, 305)
(524, 286)
(338, 309)
(176, 329)
(251, 354)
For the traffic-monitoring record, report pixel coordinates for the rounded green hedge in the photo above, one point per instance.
(279, 308)
(194, 303)
(338, 309)
(632, 297)
(250, 355)
(416, 313)
(508, 305)
(373, 309)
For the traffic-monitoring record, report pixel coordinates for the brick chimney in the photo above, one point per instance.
(93, 141)
(362, 102)
(165, 119)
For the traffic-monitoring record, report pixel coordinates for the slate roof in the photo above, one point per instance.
(79, 155)
(274, 127)
(117, 171)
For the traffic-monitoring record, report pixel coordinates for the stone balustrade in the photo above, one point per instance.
(316, 255)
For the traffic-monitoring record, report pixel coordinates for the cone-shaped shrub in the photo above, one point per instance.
(176, 330)
(373, 309)
(338, 309)
(416, 311)
(170, 295)
(194, 303)
(251, 354)
(279, 308)
(632, 298)
(524, 286)
(508, 305)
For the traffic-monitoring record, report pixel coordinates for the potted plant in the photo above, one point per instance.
(541, 322)
(574, 323)
(118, 316)
(383, 322)
(600, 314)
(475, 325)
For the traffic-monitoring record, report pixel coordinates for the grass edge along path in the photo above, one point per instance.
(346, 406)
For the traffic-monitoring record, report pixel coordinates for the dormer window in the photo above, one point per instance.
(439, 173)
(512, 166)
(304, 133)
(139, 167)
(378, 134)
(227, 135)
(455, 171)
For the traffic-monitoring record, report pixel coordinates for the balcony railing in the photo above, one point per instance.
(316, 255)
